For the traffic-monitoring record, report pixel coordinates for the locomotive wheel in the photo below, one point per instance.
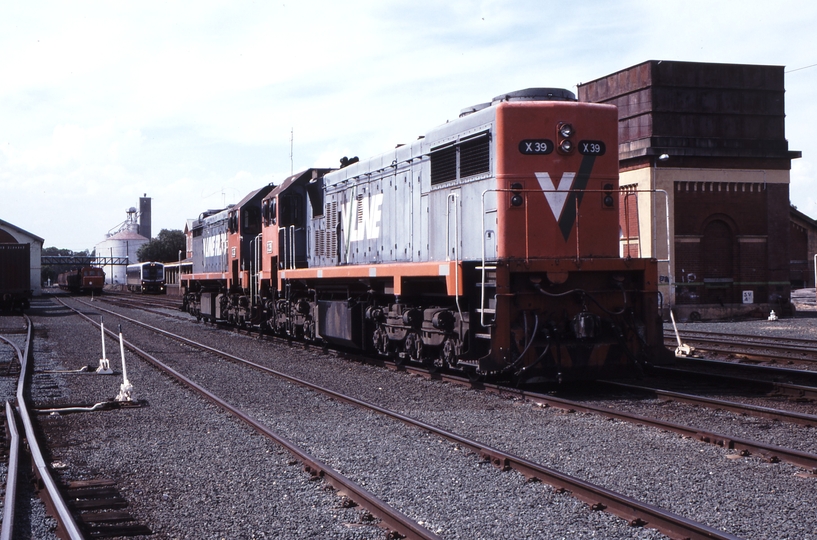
(473, 376)
(448, 353)
(434, 364)
(380, 339)
(309, 330)
(413, 346)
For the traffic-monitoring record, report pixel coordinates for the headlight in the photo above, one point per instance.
(566, 130)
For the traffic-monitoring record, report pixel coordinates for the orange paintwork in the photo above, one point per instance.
(450, 270)
(531, 230)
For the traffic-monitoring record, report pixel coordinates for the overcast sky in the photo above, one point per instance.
(195, 103)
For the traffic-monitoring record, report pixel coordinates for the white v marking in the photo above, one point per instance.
(556, 199)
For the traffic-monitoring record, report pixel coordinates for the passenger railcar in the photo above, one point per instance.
(88, 279)
(15, 276)
(491, 244)
(146, 277)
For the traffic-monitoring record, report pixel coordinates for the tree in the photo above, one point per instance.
(163, 248)
(50, 273)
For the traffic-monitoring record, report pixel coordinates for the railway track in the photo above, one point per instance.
(767, 451)
(719, 404)
(50, 493)
(797, 384)
(392, 518)
(743, 347)
(144, 300)
(599, 498)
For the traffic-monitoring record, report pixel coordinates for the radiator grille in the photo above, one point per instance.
(474, 157)
(444, 165)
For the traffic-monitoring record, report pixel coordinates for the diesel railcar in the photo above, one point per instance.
(88, 279)
(491, 244)
(146, 277)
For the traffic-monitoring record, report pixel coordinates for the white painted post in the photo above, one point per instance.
(682, 349)
(125, 389)
(104, 365)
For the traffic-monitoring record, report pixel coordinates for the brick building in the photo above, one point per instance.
(704, 166)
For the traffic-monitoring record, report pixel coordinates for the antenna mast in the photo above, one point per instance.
(291, 144)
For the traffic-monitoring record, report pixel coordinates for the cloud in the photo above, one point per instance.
(195, 103)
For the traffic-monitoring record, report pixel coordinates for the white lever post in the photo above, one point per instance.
(104, 365)
(682, 349)
(125, 389)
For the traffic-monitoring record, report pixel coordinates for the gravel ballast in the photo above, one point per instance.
(230, 465)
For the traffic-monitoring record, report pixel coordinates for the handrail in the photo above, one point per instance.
(255, 269)
(453, 196)
(627, 192)
(292, 247)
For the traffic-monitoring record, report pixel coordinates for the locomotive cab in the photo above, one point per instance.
(284, 242)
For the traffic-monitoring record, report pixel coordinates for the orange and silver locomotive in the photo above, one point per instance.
(491, 244)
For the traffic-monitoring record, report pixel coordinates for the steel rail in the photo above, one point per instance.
(52, 496)
(753, 339)
(787, 389)
(389, 516)
(791, 353)
(769, 370)
(10, 495)
(713, 403)
(10, 498)
(768, 451)
(599, 498)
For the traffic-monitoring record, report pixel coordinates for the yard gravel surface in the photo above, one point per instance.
(190, 471)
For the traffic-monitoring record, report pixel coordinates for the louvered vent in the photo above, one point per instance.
(331, 215)
(460, 160)
(474, 157)
(330, 235)
(320, 243)
(444, 165)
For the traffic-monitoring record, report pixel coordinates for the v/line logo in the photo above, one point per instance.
(214, 245)
(362, 217)
(564, 195)
(556, 199)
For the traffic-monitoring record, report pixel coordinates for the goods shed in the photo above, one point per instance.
(11, 234)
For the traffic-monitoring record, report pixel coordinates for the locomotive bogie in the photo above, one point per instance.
(568, 318)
